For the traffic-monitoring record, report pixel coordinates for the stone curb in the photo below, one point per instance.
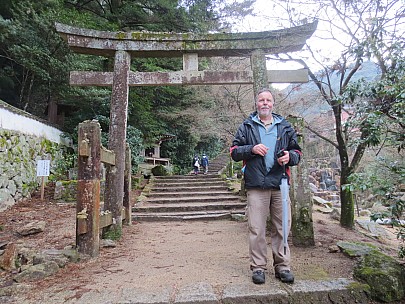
(332, 291)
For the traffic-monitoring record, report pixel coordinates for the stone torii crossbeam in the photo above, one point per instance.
(123, 45)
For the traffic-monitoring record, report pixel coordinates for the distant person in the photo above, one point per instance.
(257, 142)
(204, 163)
(196, 164)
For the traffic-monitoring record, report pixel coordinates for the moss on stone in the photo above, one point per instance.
(315, 273)
(359, 286)
(383, 274)
(159, 171)
(356, 249)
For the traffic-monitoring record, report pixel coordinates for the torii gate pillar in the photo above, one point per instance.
(260, 77)
(114, 192)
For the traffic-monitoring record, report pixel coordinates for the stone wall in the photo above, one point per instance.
(24, 139)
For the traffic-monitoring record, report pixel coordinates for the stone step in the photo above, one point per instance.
(190, 176)
(195, 199)
(197, 206)
(196, 183)
(184, 216)
(189, 197)
(178, 194)
(188, 188)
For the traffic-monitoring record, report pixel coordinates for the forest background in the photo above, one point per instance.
(364, 129)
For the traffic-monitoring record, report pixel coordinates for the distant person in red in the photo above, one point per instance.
(258, 140)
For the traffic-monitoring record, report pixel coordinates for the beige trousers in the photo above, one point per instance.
(261, 204)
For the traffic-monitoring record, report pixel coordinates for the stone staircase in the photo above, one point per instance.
(217, 165)
(189, 197)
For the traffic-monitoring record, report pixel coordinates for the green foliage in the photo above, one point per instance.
(112, 233)
(382, 179)
(159, 171)
(67, 160)
(211, 145)
(35, 64)
(134, 140)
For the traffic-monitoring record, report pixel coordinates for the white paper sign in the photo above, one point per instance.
(43, 167)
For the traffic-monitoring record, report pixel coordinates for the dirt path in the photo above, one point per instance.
(156, 255)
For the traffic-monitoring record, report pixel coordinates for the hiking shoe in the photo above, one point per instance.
(258, 277)
(285, 276)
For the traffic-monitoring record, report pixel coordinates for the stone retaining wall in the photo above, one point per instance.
(19, 151)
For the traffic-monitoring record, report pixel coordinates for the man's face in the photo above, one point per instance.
(264, 104)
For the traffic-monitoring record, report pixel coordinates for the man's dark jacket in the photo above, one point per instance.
(255, 173)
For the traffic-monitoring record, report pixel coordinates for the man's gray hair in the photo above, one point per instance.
(265, 90)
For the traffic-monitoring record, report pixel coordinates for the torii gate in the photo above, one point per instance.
(190, 46)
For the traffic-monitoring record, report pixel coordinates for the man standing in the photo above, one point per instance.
(257, 142)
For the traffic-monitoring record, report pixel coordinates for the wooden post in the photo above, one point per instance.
(127, 187)
(42, 187)
(88, 198)
(301, 202)
(114, 193)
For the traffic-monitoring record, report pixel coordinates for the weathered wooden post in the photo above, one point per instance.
(127, 187)
(88, 199)
(301, 202)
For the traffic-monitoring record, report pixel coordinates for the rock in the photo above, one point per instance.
(8, 258)
(385, 221)
(25, 256)
(51, 255)
(66, 190)
(71, 254)
(356, 249)
(239, 217)
(32, 228)
(374, 229)
(365, 212)
(37, 272)
(11, 288)
(333, 249)
(6, 200)
(313, 188)
(383, 274)
(107, 243)
(322, 202)
(324, 209)
(379, 208)
(335, 214)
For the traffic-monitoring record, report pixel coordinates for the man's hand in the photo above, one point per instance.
(284, 159)
(260, 149)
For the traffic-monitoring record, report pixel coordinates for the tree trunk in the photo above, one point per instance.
(301, 202)
(347, 202)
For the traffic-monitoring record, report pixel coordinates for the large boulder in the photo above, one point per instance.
(384, 275)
